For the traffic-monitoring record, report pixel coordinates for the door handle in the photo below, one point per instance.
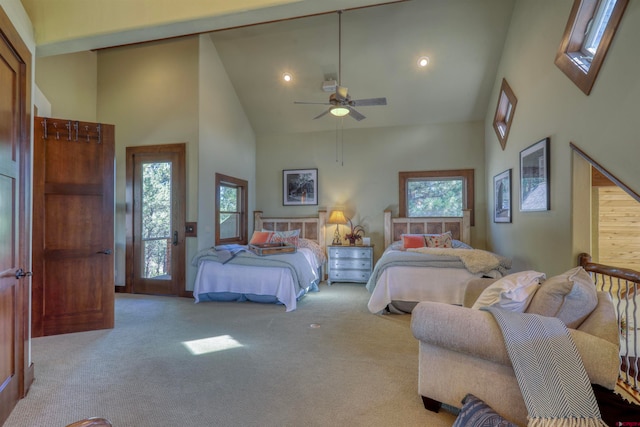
(20, 273)
(105, 252)
(175, 238)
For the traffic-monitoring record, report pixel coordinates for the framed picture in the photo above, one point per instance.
(534, 177)
(299, 187)
(502, 197)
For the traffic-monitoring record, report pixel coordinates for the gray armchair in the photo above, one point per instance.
(461, 350)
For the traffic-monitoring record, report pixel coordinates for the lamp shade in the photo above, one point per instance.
(337, 217)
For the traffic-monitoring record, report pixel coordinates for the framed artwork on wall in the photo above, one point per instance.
(299, 187)
(534, 177)
(502, 197)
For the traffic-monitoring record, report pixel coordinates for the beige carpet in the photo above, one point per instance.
(329, 363)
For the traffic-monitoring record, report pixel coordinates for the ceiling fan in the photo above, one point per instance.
(340, 102)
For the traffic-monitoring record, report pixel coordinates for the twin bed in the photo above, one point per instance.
(233, 273)
(403, 276)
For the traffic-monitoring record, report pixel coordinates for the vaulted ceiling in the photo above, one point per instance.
(380, 48)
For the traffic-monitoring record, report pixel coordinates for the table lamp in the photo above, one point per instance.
(337, 217)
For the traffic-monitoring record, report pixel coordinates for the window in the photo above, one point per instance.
(436, 193)
(504, 113)
(231, 206)
(590, 29)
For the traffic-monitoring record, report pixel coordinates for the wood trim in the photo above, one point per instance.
(244, 205)
(605, 172)
(466, 174)
(178, 149)
(502, 108)
(580, 14)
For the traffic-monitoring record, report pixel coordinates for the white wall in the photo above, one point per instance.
(364, 180)
(227, 141)
(150, 93)
(72, 80)
(603, 124)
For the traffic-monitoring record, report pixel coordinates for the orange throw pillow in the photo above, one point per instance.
(413, 241)
(260, 237)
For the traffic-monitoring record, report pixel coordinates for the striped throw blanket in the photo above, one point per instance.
(549, 370)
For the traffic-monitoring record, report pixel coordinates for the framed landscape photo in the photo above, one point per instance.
(502, 197)
(534, 177)
(299, 187)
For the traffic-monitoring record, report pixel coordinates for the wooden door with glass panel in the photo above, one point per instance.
(156, 223)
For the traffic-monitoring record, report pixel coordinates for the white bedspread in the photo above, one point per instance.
(243, 279)
(404, 283)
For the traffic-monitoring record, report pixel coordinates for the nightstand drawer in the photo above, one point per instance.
(350, 263)
(350, 252)
(349, 276)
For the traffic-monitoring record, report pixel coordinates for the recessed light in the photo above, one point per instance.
(287, 77)
(423, 61)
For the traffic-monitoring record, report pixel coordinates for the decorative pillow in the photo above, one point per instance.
(476, 413)
(413, 241)
(321, 257)
(260, 237)
(457, 244)
(512, 292)
(570, 297)
(291, 237)
(443, 240)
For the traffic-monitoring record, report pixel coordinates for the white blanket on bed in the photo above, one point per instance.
(474, 260)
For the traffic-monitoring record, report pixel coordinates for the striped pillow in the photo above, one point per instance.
(476, 413)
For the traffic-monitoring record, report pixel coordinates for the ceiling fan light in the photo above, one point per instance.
(339, 111)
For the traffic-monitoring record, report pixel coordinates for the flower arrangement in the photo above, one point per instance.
(356, 233)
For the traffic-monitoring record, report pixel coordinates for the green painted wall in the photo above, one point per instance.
(603, 124)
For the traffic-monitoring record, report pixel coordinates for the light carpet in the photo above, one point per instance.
(329, 363)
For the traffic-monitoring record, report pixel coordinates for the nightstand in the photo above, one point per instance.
(350, 263)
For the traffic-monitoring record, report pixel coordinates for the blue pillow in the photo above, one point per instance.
(476, 413)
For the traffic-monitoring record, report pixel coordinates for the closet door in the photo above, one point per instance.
(16, 371)
(73, 227)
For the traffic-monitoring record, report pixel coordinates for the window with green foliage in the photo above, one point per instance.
(436, 193)
(156, 219)
(231, 205)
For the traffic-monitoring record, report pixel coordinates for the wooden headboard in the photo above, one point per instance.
(312, 228)
(395, 227)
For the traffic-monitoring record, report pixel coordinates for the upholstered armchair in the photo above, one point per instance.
(461, 350)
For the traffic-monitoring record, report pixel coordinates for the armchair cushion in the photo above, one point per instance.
(570, 296)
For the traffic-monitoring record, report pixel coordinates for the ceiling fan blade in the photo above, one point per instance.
(369, 102)
(311, 103)
(341, 92)
(322, 114)
(355, 114)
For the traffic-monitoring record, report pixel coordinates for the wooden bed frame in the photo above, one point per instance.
(312, 228)
(395, 227)
(623, 285)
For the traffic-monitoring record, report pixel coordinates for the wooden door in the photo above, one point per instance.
(16, 372)
(156, 191)
(73, 228)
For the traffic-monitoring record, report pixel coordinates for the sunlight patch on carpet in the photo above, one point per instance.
(211, 345)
